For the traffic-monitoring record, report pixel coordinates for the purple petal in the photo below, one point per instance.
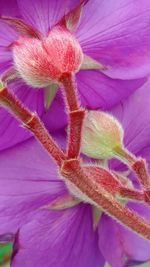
(5, 41)
(10, 131)
(28, 181)
(9, 8)
(99, 91)
(134, 115)
(55, 118)
(125, 247)
(117, 34)
(19, 163)
(57, 239)
(7, 238)
(44, 14)
(5, 60)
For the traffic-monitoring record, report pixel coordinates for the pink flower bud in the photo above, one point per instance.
(40, 62)
(101, 134)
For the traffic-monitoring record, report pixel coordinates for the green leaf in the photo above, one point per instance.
(5, 252)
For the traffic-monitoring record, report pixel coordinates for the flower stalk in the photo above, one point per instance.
(138, 165)
(72, 170)
(76, 115)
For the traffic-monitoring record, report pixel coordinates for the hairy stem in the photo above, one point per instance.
(74, 135)
(140, 168)
(76, 115)
(125, 191)
(72, 170)
(131, 194)
(31, 121)
(138, 165)
(70, 92)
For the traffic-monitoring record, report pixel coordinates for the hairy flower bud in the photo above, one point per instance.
(42, 61)
(101, 134)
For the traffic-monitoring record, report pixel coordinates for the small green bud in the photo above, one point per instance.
(101, 135)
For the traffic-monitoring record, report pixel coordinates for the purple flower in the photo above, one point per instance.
(115, 34)
(42, 233)
(29, 182)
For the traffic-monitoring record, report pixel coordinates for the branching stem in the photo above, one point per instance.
(31, 121)
(73, 171)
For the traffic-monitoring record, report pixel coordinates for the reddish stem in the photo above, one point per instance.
(74, 135)
(131, 194)
(37, 127)
(76, 115)
(138, 165)
(125, 155)
(113, 183)
(123, 190)
(140, 168)
(72, 170)
(31, 121)
(70, 92)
